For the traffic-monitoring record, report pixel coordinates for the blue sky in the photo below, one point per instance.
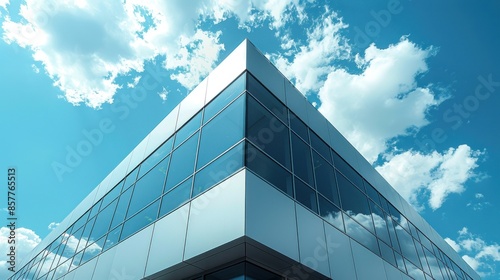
(414, 85)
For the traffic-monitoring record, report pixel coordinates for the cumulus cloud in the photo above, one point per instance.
(383, 101)
(418, 176)
(26, 240)
(85, 45)
(482, 256)
(312, 62)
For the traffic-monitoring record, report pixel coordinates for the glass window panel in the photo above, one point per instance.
(182, 163)
(121, 209)
(347, 170)
(148, 188)
(380, 223)
(268, 169)
(407, 246)
(219, 169)
(302, 163)
(387, 253)
(112, 238)
(141, 220)
(80, 222)
(267, 132)
(176, 197)
(222, 132)
(93, 249)
(371, 192)
(394, 213)
(325, 179)
(421, 255)
(76, 261)
(330, 213)
(305, 195)
(235, 272)
(392, 234)
(225, 97)
(321, 147)
(155, 157)
(360, 234)
(413, 231)
(130, 179)
(86, 234)
(189, 128)
(414, 271)
(299, 127)
(266, 98)
(354, 202)
(111, 195)
(95, 209)
(103, 220)
(400, 262)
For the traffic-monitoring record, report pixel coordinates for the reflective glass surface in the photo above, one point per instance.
(267, 132)
(354, 202)
(266, 98)
(305, 195)
(302, 163)
(222, 132)
(225, 97)
(219, 169)
(176, 197)
(140, 220)
(268, 169)
(299, 127)
(121, 209)
(321, 147)
(155, 157)
(182, 163)
(191, 126)
(325, 179)
(347, 170)
(330, 213)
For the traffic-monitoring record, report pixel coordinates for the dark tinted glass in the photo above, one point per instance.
(266, 98)
(325, 179)
(299, 127)
(267, 132)
(182, 163)
(219, 169)
(302, 163)
(141, 220)
(321, 147)
(225, 97)
(353, 200)
(191, 126)
(392, 234)
(268, 169)
(371, 192)
(176, 197)
(305, 195)
(222, 132)
(148, 188)
(407, 246)
(330, 213)
(347, 170)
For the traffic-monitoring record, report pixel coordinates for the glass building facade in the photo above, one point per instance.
(251, 182)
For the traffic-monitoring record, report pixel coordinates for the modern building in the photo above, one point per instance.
(244, 179)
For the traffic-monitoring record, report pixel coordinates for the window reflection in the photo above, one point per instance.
(321, 147)
(347, 170)
(182, 162)
(176, 197)
(302, 163)
(267, 132)
(225, 97)
(266, 98)
(141, 220)
(325, 179)
(268, 169)
(305, 195)
(360, 234)
(330, 213)
(222, 132)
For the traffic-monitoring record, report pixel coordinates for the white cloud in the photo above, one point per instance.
(4, 4)
(85, 45)
(478, 195)
(53, 225)
(383, 101)
(482, 256)
(416, 175)
(312, 62)
(453, 244)
(26, 240)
